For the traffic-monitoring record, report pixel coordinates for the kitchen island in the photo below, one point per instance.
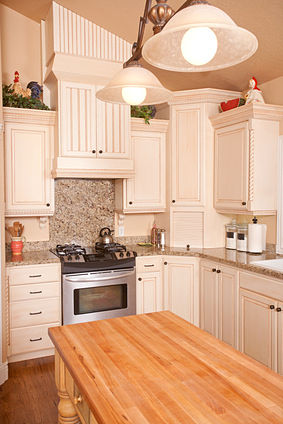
(157, 368)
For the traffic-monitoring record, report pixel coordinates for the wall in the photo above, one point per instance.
(273, 94)
(20, 47)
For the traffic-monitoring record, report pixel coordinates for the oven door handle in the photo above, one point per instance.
(83, 279)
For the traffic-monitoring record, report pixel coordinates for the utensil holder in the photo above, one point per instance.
(17, 244)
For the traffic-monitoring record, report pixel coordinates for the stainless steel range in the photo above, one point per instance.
(97, 284)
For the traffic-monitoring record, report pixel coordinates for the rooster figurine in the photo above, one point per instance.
(17, 87)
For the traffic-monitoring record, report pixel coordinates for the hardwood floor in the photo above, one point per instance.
(30, 395)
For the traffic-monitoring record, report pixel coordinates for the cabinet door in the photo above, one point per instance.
(181, 287)
(231, 167)
(29, 187)
(149, 292)
(208, 298)
(257, 330)
(279, 352)
(228, 302)
(146, 192)
(187, 152)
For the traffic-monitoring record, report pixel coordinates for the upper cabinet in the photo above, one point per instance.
(246, 155)
(146, 191)
(29, 139)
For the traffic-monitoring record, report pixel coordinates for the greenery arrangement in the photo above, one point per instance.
(145, 112)
(10, 99)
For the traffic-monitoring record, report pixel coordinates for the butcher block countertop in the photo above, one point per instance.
(157, 368)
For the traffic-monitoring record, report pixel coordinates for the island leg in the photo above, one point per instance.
(66, 411)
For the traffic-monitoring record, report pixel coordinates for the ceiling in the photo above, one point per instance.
(262, 17)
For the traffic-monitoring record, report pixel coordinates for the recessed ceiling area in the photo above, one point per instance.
(261, 17)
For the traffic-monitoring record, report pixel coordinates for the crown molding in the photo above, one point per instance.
(203, 95)
(91, 173)
(157, 125)
(29, 116)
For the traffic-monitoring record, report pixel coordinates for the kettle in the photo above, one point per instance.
(105, 235)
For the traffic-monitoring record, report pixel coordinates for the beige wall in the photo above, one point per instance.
(20, 47)
(273, 94)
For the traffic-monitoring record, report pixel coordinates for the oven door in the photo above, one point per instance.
(98, 295)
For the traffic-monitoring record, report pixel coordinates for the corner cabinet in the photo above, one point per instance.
(246, 155)
(29, 144)
(146, 191)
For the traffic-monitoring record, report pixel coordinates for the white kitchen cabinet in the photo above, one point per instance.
(94, 136)
(34, 306)
(181, 288)
(29, 144)
(246, 150)
(261, 310)
(219, 302)
(145, 192)
(149, 284)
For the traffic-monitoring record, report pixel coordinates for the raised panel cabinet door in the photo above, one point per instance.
(28, 169)
(232, 167)
(113, 130)
(257, 329)
(181, 288)
(149, 293)
(228, 292)
(209, 298)
(279, 353)
(146, 191)
(187, 151)
(77, 123)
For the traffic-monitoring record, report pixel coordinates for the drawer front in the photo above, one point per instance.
(81, 405)
(34, 291)
(148, 264)
(262, 285)
(34, 312)
(34, 274)
(30, 339)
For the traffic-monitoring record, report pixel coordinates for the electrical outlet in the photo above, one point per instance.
(121, 231)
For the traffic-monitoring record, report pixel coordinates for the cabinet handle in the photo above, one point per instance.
(148, 266)
(173, 201)
(36, 292)
(213, 270)
(93, 151)
(271, 307)
(35, 276)
(130, 203)
(100, 151)
(218, 271)
(140, 279)
(78, 399)
(35, 313)
(244, 203)
(278, 309)
(165, 263)
(48, 204)
(35, 340)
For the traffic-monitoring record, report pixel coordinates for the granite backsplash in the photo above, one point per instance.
(82, 208)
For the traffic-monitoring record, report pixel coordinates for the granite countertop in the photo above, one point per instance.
(225, 256)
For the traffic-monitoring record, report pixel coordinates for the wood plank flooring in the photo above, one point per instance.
(29, 396)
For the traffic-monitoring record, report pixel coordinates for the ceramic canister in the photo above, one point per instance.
(17, 245)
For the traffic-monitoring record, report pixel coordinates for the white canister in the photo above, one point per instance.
(231, 236)
(242, 238)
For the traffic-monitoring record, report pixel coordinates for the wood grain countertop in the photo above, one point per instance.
(157, 368)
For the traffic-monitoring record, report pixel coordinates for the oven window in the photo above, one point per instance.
(98, 299)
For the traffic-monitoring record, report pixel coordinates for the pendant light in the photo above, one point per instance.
(134, 85)
(199, 37)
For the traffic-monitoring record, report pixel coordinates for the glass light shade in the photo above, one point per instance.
(134, 95)
(134, 77)
(199, 45)
(235, 44)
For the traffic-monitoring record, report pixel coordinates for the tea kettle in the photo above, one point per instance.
(105, 235)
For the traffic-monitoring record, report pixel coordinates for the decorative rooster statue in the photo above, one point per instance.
(17, 87)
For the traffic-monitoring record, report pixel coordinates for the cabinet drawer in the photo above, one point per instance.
(29, 339)
(148, 264)
(34, 291)
(34, 312)
(262, 285)
(81, 405)
(34, 274)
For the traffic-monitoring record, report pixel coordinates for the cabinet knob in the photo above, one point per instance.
(278, 309)
(218, 271)
(130, 203)
(244, 203)
(173, 201)
(165, 263)
(213, 270)
(48, 204)
(78, 399)
(271, 307)
(140, 279)
(100, 151)
(93, 151)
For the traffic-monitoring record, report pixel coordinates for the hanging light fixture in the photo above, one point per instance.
(198, 37)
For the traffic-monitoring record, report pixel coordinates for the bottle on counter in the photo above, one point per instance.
(153, 238)
(162, 238)
(231, 235)
(242, 237)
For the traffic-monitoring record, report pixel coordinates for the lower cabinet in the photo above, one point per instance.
(34, 306)
(261, 320)
(181, 289)
(219, 288)
(149, 284)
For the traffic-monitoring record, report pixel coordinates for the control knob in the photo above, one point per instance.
(128, 254)
(69, 257)
(121, 254)
(77, 257)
